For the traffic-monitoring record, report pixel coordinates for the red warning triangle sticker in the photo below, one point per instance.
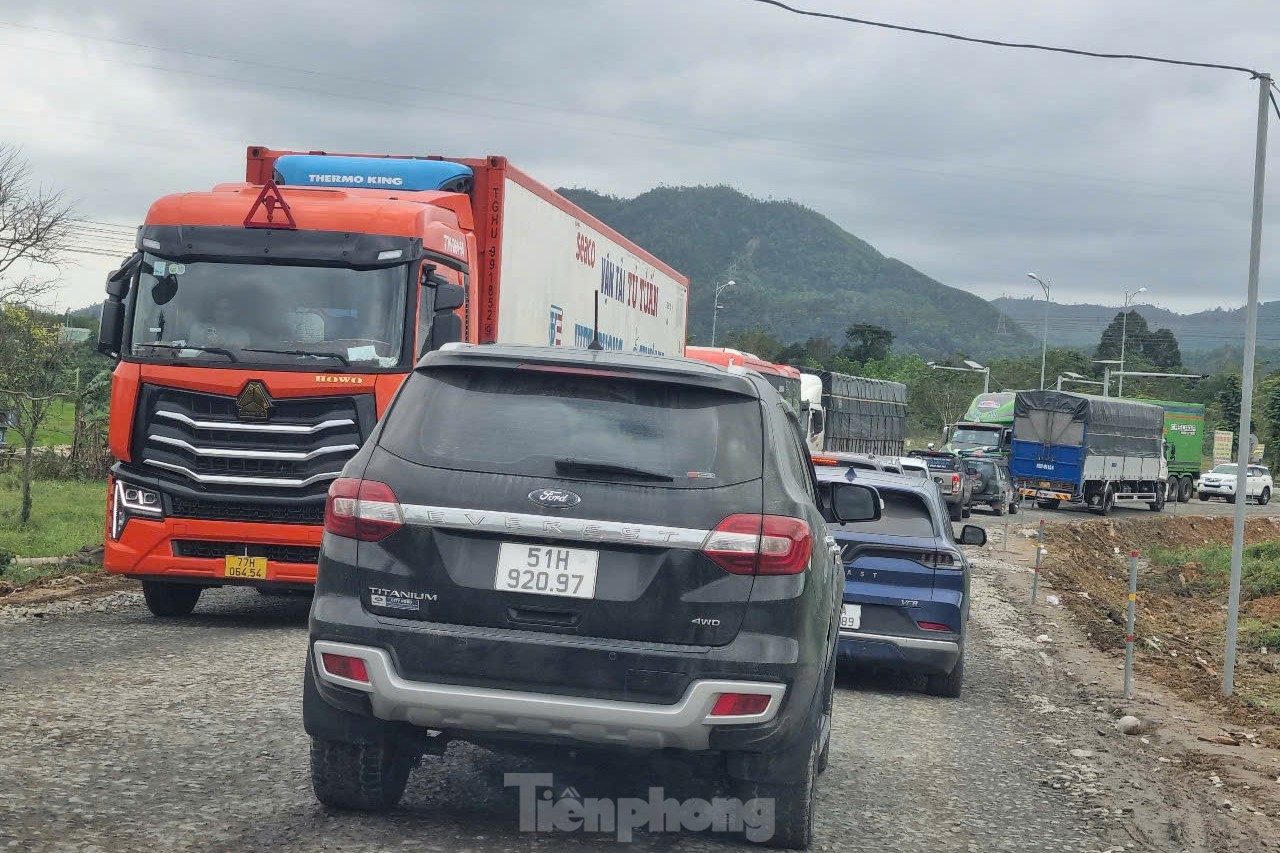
(269, 201)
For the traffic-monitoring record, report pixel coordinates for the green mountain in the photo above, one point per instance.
(1081, 325)
(799, 274)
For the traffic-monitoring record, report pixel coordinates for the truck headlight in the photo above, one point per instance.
(129, 501)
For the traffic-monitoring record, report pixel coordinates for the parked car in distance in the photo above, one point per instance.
(914, 466)
(991, 484)
(948, 471)
(1221, 483)
(906, 587)
(860, 461)
(647, 567)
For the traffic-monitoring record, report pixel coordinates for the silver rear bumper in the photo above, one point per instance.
(685, 725)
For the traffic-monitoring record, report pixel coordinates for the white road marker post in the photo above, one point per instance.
(1035, 579)
(1128, 632)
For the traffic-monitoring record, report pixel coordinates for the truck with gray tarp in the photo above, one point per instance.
(1088, 450)
(852, 414)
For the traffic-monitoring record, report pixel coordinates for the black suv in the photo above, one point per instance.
(992, 484)
(556, 546)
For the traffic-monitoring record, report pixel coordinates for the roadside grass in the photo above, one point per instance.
(66, 516)
(22, 575)
(58, 428)
(1208, 569)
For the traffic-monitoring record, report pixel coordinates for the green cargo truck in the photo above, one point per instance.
(1183, 445)
(987, 426)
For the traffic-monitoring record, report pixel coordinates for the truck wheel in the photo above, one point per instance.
(1013, 507)
(946, 685)
(166, 598)
(1106, 503)
(1185, 488)
(368, 777)
(1158, 504)
(1264, 498)
(1052, 503)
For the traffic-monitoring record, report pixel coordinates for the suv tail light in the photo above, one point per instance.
(345, 666)
(939, 559)
(362, 509)
(746, 544)
(955, 482)
(740, 704)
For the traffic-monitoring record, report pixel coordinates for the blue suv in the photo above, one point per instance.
(906, 583)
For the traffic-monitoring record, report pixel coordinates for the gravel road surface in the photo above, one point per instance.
(122, 732)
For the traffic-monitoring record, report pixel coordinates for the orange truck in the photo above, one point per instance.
(784, 378)
(263, 327)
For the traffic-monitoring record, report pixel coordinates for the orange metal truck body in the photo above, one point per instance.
(201, 528)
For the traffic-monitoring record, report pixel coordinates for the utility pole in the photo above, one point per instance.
(1246, 385)
(715, 311)
(1044, 347)
(1124, 333)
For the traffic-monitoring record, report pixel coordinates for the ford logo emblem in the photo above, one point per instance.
(555, 498)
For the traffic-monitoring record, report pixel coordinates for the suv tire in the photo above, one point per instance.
(955, 512)
(359, 776)
(948, 685)
(169, 599)
(1265, 497)
(792, 801)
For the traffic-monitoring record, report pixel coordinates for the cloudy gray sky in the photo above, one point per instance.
(973, 164)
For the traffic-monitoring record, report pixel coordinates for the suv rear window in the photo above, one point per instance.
(941, 463)
(904, 514)
(512, 421)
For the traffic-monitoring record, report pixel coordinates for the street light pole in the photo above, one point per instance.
(1246, 387)
(1124, 333)
(970, 367)
(715, 311)
(1044, 347)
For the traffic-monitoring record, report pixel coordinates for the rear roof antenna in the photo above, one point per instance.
(595, 328)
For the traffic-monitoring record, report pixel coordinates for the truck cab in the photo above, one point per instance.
(813, 417)
(262, 329)
(986, 438)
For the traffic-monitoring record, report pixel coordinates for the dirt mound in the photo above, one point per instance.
(1181, 622)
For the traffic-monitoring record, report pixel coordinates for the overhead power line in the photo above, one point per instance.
(997, 43)
(469, 96)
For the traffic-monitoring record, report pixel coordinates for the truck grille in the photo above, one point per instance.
(217, 550)
(270, 513)
(199, 439)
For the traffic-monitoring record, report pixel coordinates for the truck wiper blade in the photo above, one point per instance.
(339, 356)
(600, 466)
(215, 350)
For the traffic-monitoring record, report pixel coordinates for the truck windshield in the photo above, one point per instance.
(976, 437)
(211, 313)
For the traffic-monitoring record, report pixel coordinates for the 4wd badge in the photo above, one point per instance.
(253, 404)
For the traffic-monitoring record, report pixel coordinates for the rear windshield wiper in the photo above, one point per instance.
(600, 466)
(215, 350)
(339, 356)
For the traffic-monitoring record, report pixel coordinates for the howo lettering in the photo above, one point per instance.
(263, 327)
